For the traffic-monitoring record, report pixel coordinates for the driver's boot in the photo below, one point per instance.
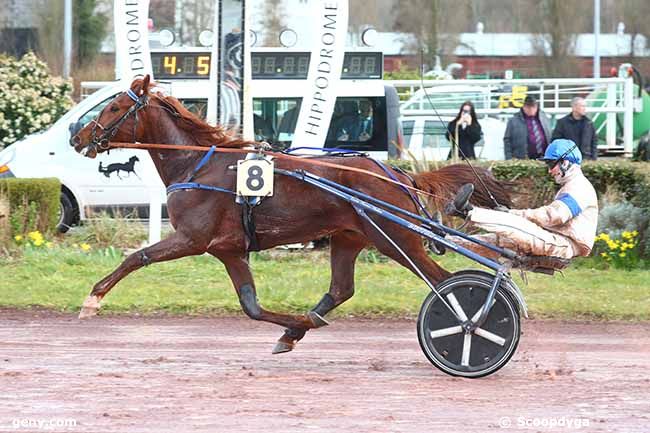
(460, 206)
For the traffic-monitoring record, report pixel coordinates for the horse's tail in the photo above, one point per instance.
(445, 182)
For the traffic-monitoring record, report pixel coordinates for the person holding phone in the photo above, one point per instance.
(464, 131)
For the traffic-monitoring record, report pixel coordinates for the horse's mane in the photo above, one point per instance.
(203, 133)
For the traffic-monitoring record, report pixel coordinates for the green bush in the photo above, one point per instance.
(30, 99)
(33, 204)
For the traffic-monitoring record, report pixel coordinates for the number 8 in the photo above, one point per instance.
(255, 182)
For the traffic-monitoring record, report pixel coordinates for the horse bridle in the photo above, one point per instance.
(102, 141)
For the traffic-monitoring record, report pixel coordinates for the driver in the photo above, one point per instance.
(565, 228)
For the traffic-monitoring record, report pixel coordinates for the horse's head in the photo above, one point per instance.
(118, 121)
(134, 159)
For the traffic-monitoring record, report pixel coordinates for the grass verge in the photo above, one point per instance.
(61, 278)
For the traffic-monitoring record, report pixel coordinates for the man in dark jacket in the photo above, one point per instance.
(576, 126)
(528, 132)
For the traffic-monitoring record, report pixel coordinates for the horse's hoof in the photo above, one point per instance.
(317, 320)
(282, 347)
(86, 313)
(90, 307)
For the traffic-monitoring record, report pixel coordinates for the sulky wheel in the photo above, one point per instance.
(479, 352)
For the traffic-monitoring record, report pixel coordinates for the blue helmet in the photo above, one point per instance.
(562, 149)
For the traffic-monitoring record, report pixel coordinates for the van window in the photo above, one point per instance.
(358, 123)
(446, 101)
(94, 112)
(407, 130)
(434, 134)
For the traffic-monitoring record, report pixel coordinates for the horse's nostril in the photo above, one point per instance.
(75, 140)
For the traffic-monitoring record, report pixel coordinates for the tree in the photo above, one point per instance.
(89, 29)
(273, 22)
(555, 26)
(435, 24)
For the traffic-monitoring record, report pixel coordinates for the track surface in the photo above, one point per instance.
(133, 374)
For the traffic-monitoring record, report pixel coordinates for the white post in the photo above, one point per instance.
(611, 117)
(214, 89)
(247, 116)
(155, 215)
(628, 117)
(67, 38)
(596, 38)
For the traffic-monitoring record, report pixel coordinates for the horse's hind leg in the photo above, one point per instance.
(240, 274)
(344, 249)
(173, 247)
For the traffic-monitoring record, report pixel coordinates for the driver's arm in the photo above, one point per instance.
(560, 211)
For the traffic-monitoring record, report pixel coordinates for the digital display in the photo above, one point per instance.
(264, 65)
(181, 65)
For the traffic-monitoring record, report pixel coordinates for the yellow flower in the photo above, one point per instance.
(35, 236)
(38, 242)
(18, 238)
(635, 234)
(626, 235)
(603, 254)
(84, 247)
(621, 254)
(604, 236)
(612, 245)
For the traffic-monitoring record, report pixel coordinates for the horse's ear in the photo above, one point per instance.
(145, 84)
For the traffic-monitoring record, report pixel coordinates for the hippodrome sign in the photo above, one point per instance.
(331, 20)
(133, 55)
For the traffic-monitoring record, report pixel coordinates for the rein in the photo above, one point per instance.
(277, 155)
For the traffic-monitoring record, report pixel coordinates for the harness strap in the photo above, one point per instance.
(276, 155)
(203, 161)
(194, 185)
(416, 201)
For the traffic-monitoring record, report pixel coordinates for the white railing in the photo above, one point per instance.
(502, 98)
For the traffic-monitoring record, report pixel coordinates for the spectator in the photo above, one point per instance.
(528, 132)
(576, 126)
(464, 131)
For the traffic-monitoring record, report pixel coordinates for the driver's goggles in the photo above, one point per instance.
(550, 163)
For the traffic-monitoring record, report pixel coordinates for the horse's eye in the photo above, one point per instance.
(114, 108)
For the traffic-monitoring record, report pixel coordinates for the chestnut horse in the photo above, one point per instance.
(209, 221)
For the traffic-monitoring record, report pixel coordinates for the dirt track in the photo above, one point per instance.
(135, 374)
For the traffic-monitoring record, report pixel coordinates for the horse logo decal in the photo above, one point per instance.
(128, 167)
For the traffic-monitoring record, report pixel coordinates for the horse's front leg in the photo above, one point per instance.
(240, 274)
(344, 249)
(173, 247)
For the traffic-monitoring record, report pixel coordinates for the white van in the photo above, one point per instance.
(424, 136)
(125, 179)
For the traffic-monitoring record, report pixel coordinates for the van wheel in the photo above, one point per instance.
(68, 213)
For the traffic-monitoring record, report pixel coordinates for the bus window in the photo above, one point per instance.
(358, 123)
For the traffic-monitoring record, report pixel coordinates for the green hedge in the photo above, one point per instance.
(33, 203)
(533, 182)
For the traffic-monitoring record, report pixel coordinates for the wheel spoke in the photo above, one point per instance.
(467, 346)
(446, 331)
(456, 306)
(478, 313)
(490, 336)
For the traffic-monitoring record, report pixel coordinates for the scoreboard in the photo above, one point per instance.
(265, 65)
